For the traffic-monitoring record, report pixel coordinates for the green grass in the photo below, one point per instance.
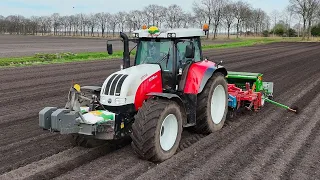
(241, 43)
(58, 58)
(86, 56)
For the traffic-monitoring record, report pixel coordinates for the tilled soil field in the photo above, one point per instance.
(14, 45)
(270, 144)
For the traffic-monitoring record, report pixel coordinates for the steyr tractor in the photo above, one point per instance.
(171, 86)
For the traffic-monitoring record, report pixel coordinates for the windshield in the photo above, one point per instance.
(156, 51)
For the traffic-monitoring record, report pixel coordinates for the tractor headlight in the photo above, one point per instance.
(136, 35)
(120, 101)
(171, 35)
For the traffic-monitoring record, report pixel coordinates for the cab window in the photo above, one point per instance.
(156, 51)
(181, 50)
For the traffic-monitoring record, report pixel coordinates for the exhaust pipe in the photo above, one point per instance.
(126, 52)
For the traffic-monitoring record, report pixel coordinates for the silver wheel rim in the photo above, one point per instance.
(218, 104)
(168, 132)
(262, 100)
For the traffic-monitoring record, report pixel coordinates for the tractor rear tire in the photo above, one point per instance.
(156, 132)
(212, 111)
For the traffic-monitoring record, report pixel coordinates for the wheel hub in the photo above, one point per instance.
(168, 132)
(218, 103)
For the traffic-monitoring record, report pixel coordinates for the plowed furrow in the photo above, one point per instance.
(59, 163)
(33, 152)
(270, 59)
(218, 148)
(272, 143)
(285, 132)
(306, 164)
(260, 53)
(60, 70)
(279, 166)
(245, 50)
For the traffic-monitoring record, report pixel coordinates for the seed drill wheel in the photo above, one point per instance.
(157, 129)
(212, 105)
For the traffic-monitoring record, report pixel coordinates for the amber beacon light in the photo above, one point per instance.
(205, 27)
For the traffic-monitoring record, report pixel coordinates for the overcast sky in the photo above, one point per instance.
(65, 7)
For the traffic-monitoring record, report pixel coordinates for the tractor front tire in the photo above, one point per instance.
(212, 106)
(156, 132)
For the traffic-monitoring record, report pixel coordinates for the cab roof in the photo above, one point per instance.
(172, 33)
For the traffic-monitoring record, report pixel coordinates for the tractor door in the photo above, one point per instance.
(162, 52)
(184, 63)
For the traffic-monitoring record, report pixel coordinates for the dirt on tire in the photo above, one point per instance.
(270, 144)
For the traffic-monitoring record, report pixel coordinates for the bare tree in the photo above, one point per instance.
(287, 15)
(137, 19)
(92, 20)
(35, 21)
(121, 16)
(217, 12)
(212, 12)
(199, 17)
(55, 20)
(113, 22)
(64, 24)
(153, 12)
(187, 20)
(258, 18)
(206, 6)
(300, 7)
(228, 16)
(162, 14)
(313, 6)
(275, 18)
(102, 21)
(241, 13)
(2, 24)
(174, 16)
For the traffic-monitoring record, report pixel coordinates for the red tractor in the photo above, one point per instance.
(170, 86)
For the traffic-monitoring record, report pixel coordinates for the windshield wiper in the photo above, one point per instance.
(167, 55)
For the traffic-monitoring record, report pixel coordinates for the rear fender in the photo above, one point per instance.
(209, 73)
(198, 75)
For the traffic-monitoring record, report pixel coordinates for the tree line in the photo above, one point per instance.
(218, 14)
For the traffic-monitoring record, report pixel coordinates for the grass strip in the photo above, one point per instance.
(241, 43)
(43, 58)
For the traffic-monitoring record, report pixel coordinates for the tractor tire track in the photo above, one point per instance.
(258, 140)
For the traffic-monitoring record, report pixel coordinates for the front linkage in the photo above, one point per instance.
(83, 115)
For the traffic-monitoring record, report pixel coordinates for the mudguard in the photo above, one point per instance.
(165, 95)
(188, 102)
(198, 75)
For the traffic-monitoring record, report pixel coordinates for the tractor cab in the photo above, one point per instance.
(173, 50)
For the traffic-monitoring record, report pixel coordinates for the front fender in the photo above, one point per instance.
(164, 95)
(175, 98)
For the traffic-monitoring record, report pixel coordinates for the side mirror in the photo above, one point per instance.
(109, 49)
(190, 51)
